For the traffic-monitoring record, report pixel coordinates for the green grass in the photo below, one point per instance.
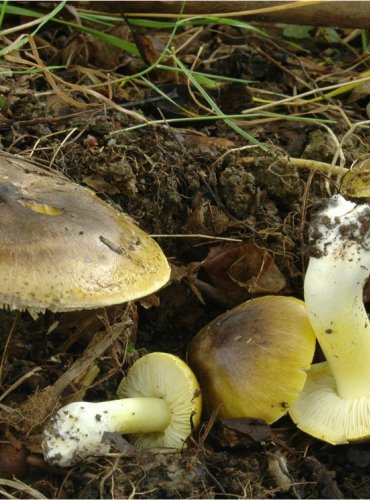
(222, 116)
(201, 82)
(3, 12)
(20, 42)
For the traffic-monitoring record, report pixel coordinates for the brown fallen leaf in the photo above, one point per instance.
(100, 185)
(205, 218)
(241, 432)
(243, 271)
(151, 300)
(147, 48)
(13, 461)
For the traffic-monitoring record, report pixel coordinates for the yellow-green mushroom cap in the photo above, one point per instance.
(167, 377)
(252, 360)
(63, 248)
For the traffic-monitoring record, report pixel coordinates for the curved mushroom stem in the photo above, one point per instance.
(333, 291)
(77, 429)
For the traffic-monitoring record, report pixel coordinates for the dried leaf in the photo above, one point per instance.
(13, 461)
(243, 271)
(149, 301)
(100, 185)
(207, 219)
(206, 142)
(241, 432)
(147, 49)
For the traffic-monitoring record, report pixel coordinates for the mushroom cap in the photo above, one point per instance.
(63, 248)
(165, 376)
(252, 360)
(320, 412)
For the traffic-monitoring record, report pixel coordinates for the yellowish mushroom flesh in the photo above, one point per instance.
(63, 248)
(252, 360)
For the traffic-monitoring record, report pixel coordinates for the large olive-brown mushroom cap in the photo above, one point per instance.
(252, 360)
(63, 248)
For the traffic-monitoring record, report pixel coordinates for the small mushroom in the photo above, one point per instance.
(62, 248)
(334, 405)
(161, 403)
(252, 360)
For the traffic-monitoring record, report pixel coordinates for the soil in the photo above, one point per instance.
(204, 193)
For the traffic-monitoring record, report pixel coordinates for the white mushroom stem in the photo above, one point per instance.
(333, 292)
(77, 429)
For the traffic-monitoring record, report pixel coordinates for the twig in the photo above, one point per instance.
(20, 382)
(204, 236)
(304, 163)
(94, 350)
(18, 485)
(6, 348)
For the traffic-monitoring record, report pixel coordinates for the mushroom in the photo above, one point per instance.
(334, 405)
(63, 248)
(160, 406)
(251, 361)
